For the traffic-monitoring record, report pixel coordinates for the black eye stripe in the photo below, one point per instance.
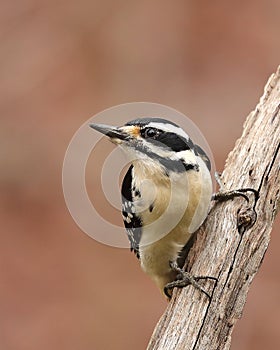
(150, 132)
(171, 140)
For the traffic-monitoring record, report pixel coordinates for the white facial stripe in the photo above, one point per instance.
(188, 155)
(161, 151)
(169, 128)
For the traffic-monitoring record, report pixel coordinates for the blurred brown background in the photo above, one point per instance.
(64, 61)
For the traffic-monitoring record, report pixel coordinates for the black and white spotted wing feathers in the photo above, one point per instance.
(132, 222)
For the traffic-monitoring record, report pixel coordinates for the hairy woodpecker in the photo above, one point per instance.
(166, 193)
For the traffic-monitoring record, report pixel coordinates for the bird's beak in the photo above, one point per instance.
(114, 133)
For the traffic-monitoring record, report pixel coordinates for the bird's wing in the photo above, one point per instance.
(131, 221)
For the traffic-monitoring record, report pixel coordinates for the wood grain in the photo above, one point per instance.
(223, 250)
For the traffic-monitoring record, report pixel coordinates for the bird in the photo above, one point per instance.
(166, 195)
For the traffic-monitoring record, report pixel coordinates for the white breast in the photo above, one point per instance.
(180, 205)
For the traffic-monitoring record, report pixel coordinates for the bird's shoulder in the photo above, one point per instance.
(199, 152)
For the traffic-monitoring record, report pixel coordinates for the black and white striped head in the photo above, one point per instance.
(157, 140)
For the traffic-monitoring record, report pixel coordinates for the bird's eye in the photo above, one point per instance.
(151, 133)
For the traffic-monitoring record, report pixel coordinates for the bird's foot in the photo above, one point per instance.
(224, 195)
(184, 279)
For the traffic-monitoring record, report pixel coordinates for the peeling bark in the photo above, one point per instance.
(232, 242)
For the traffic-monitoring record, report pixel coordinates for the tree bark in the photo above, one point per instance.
(232, 242)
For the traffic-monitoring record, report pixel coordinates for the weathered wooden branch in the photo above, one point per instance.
(226, 246)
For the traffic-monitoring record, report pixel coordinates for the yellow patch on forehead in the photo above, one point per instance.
(132, 130)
